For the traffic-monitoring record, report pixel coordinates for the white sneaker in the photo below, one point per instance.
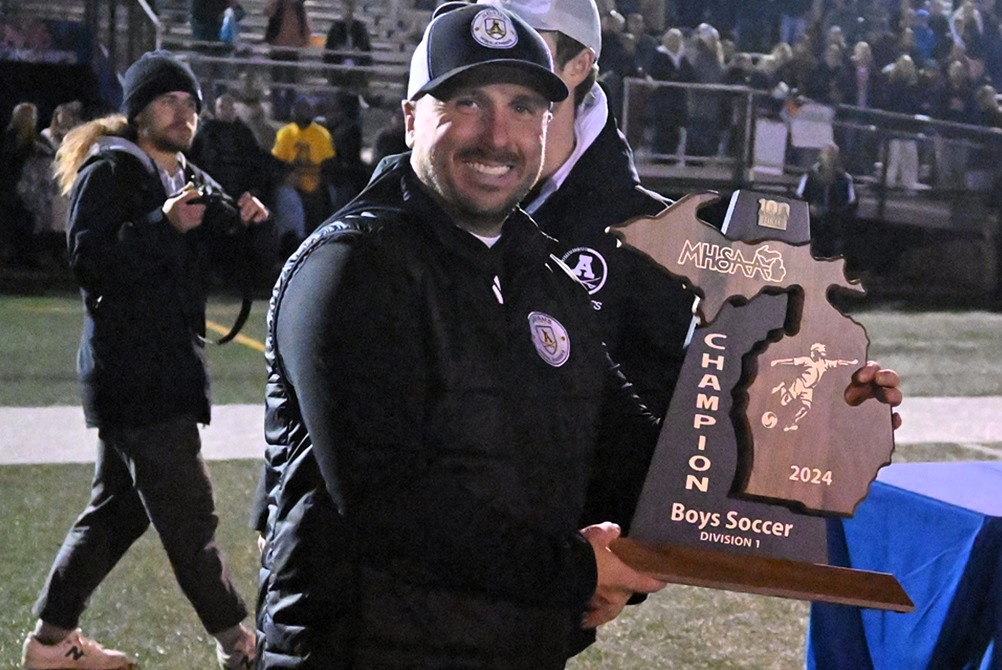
(241, 657)
(74, 652)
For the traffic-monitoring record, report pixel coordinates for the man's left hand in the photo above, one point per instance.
(252, 210)
(873, 381)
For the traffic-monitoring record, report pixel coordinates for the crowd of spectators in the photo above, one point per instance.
(910, 57)
(927, 57)
(32, 210)
(303, 170)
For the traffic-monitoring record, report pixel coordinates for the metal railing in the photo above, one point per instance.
(954, 165)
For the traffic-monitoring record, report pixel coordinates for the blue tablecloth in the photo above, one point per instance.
(938, 528)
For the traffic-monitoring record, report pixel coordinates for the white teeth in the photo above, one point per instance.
(492, 170)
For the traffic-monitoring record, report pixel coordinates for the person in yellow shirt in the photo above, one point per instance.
(306, 145)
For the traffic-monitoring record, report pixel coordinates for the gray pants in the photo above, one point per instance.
(153, 474)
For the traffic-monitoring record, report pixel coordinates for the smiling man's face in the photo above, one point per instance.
(478, 149)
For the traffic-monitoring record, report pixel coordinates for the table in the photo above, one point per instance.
(938, 528)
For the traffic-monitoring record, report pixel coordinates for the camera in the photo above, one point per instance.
(222, 214)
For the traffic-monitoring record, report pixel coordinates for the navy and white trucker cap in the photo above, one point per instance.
(461, 37)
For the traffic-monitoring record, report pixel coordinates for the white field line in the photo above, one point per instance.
(57, 434)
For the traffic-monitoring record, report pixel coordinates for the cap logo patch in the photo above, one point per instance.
(550, 338)
(494, 29)
(588, 266)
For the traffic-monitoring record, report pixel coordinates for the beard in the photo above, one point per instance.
(165, 141)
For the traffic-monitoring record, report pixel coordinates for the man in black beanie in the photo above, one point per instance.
(138, 248)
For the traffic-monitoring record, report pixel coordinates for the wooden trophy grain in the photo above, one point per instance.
(758, 445)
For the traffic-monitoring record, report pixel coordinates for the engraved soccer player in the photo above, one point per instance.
(814, 367)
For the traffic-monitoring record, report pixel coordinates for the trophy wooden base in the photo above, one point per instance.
(765, 576)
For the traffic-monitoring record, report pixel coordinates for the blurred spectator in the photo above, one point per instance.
(667, 107)
(834, 35)
(977, 73)
(939, 24)
(772, 73)
(967, 28)
(987, 113)
(728, 48)
(707, 113)
(348, 34)
(860, 146)
(831, 194)
(863, 76)
(207, 19)
(348, 174)
(390, 140)
(793, 19)
(985, 172)
(206, 27)
(254, 116)
(65, 117)
(229, 32)
(288, 30)
(740, 72)
(953, 100)
(902, 95)
(249, 95)
(645, 42)
(616, 61)
(993, 50)
(924, 38)
(306, 146)
(801, 65)
(768, 76)
(16, 220)
(829, 82)
(883, 44)
(51, 233)
(24, 195)
(225, 147)
(654, 16)
(906, 44)
(844, 15)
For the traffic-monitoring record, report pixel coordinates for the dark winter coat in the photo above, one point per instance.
(431, 433)
(644, 314)
(140, 359)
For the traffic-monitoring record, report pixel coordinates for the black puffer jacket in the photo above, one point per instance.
(140, 359)
(450, 399)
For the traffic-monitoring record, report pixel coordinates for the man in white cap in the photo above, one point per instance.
(437, 392)
(589, 183)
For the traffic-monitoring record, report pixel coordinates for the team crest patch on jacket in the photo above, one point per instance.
(588, 266)
(550, 338)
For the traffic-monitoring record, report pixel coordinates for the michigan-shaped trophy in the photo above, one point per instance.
(758, 445)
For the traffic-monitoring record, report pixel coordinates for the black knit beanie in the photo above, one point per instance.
(155, 73)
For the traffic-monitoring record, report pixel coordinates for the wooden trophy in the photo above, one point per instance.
(758, 445)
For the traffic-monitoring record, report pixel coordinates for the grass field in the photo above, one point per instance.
(140, 609)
